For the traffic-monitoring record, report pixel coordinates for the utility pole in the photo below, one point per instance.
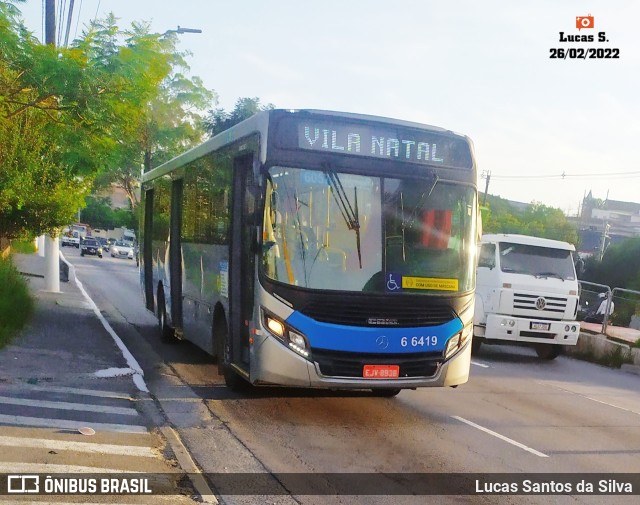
(50, 22)
(486, 175)
(605, 236)
(51, 244)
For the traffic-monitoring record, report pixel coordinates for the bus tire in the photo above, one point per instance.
(385, 392)
(548, 351)
(231, 379)
(167, 332)
(476, 343)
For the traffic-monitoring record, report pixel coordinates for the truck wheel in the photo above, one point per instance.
(476, 343)
(548, 351)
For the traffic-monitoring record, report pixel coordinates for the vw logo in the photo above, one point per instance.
(382, 341)
(541, 303)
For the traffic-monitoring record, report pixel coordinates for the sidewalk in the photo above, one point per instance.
(64, 343)
(69, 403)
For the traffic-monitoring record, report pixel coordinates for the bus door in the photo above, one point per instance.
(242, 260)
(175, 255)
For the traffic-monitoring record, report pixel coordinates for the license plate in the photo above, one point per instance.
(540, 326)
(381, 371)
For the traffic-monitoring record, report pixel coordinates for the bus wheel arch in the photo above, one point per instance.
(219, 331)
(167, 332)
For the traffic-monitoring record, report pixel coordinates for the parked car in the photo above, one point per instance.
(90, 246)
(121, 250)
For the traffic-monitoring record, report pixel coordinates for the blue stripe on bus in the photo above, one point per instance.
(368, 339)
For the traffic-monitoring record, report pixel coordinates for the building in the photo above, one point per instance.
(604, 222)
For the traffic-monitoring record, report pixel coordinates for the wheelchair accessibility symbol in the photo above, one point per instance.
(394, 282)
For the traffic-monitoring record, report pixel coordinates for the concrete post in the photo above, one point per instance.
(52, 265)
(40, 245)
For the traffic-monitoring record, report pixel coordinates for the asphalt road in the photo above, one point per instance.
(517, 415)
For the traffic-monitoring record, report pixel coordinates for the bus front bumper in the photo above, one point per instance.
(275, 364)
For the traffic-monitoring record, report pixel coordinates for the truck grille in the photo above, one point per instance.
(554, 306)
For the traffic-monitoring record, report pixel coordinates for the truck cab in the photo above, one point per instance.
(526, 293)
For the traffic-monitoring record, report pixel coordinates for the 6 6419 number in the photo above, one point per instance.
(422, 341)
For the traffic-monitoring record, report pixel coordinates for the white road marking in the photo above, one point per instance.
(482, 365)
(83, 407)
(501, 437)
(79, 391)
(138, 376)
(88, 447)
(590, 398)
(69, 424)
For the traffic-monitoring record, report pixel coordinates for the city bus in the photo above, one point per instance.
(317, 249)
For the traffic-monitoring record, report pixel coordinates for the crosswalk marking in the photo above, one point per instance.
(87, 447)
(69, 424)
(78, 391)
(125, 411)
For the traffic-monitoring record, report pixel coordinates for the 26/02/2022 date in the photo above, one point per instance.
(582, 53)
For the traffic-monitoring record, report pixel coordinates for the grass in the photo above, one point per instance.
(23, 247)
(636, 344)
(16, 303)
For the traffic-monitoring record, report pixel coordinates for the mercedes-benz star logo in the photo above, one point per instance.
(382, 341)
(541, 303)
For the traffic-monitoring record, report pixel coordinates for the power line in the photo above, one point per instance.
(564, 175)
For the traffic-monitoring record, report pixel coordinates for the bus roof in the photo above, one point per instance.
(260, 123)
(527, 240)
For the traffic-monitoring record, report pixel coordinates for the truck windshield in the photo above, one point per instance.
(537, 261)
(339, 231)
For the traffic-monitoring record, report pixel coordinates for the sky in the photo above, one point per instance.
(547, 129)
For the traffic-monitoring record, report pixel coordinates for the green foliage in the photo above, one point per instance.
(218, 120)
(16, 303)
(500, 216)
(620, 266)
(99, 214)
(67, 115)
(23, 246)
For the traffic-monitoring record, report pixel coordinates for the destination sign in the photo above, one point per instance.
(397, 144)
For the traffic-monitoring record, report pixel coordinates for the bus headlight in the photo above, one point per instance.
(293, 339)
(458, 341)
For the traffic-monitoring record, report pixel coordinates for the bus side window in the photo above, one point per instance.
(487, 256)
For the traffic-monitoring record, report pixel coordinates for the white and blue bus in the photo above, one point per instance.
(318, 249)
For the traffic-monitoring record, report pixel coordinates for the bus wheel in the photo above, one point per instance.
(167, 333)
(476, 343)
(385, 392)
(231, 379)
(548, 351)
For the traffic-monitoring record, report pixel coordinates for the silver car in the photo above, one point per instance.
(121, 250)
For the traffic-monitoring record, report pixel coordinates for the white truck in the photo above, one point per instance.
(526, 293)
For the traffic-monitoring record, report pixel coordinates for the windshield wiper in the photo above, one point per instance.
(540, 275)
(349, 212)
(423, 197)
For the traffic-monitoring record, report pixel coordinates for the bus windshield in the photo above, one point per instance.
(339, 231)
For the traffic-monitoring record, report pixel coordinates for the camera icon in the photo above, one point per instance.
(584, 22)
(22, 484)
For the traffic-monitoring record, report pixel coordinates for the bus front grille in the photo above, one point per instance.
(400, 313)
(346, 364)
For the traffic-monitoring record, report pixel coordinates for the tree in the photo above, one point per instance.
(499, 216)
(219, 120)
(68, 114)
